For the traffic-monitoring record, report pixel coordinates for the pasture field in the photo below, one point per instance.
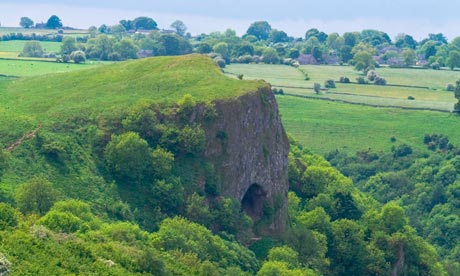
(17, 46)
(292, 81)
(22, 68)
(324, 126)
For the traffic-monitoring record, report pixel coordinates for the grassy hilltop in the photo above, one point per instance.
(28, 102)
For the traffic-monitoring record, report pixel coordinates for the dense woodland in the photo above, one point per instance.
(117, 193)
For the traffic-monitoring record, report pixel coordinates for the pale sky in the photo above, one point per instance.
(414, 17)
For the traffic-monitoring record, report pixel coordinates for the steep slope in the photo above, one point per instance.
(79, 112)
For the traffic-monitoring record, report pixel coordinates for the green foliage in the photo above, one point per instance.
(178, 233)
(54, 22)
(260, 29)
(61, 222)
(36, 196)
(68, 45)
(32, 49)
(128, 156)
(186, 106)
(78, 57)
(192, 140)
(162, 161)
(9, 217)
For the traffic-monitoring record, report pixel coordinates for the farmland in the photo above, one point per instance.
(291, 80)
(324, 123)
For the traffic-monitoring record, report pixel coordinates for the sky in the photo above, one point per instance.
(415, 17)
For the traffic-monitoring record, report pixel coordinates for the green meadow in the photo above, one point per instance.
(323, 126)
(292, 81)
(16, 46)
(33, 67)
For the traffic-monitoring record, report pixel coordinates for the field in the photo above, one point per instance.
(21, 68)
(16, 46)
(323, 126)
(327, 121)
(8, 30)
(291, 80)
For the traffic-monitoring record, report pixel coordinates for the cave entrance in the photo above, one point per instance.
(253, 201)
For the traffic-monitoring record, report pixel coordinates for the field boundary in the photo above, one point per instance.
(366, 104)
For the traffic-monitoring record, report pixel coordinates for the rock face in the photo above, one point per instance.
(249, 148)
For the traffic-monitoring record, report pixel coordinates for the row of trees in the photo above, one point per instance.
(262, 43)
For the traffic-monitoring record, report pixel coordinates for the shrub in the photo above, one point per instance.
(380, 81)
(240, 76)
(115, 56)
(192, 140)
(410, 98)
(372, 75)
(435, 66)
(317, 88)
(36, 196)
(128, 156)
(220, 62)
(401, 150)
(344, 80)
(329, 84)
(32, 49)
(361, 80)
(61, 222)
(78, 57)
(450, 87)
(8, 216)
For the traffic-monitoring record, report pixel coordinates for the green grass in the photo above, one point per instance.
(323, 126)
(16, 46)
(292, 81)
(52, 98)
(21, 68)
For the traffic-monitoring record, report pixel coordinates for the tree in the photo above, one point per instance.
(454, 59)
(144, 23)
(26, 22)
(270, 56)
(36, 196)
(32, 49)
(457, 96)
(409, 56)
(127, 24)
(68, 45)
(126, 48)
(260, 29)
(78, 57)
(128, 156)
(278, 36)
(363, 61)
(54, 22)
(222, 49)
(179, 27)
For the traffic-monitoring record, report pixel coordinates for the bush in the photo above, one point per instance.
(344, 80)
(240, 76)
(8, 216)
(329, 84)
(372, 75)
(380, 81)
(61, 222)
(410, 98)
(435, 66)
(220, 62)
(361, 80)
(317, 88)
(128, 156)
(450, 87)
(78, 57)
(36, 196)
(32, 49)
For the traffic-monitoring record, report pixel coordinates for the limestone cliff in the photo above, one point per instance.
(249, 148)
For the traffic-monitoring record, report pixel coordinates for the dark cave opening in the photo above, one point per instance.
(253, 201)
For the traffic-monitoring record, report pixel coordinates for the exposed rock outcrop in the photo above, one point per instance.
(249, 148)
